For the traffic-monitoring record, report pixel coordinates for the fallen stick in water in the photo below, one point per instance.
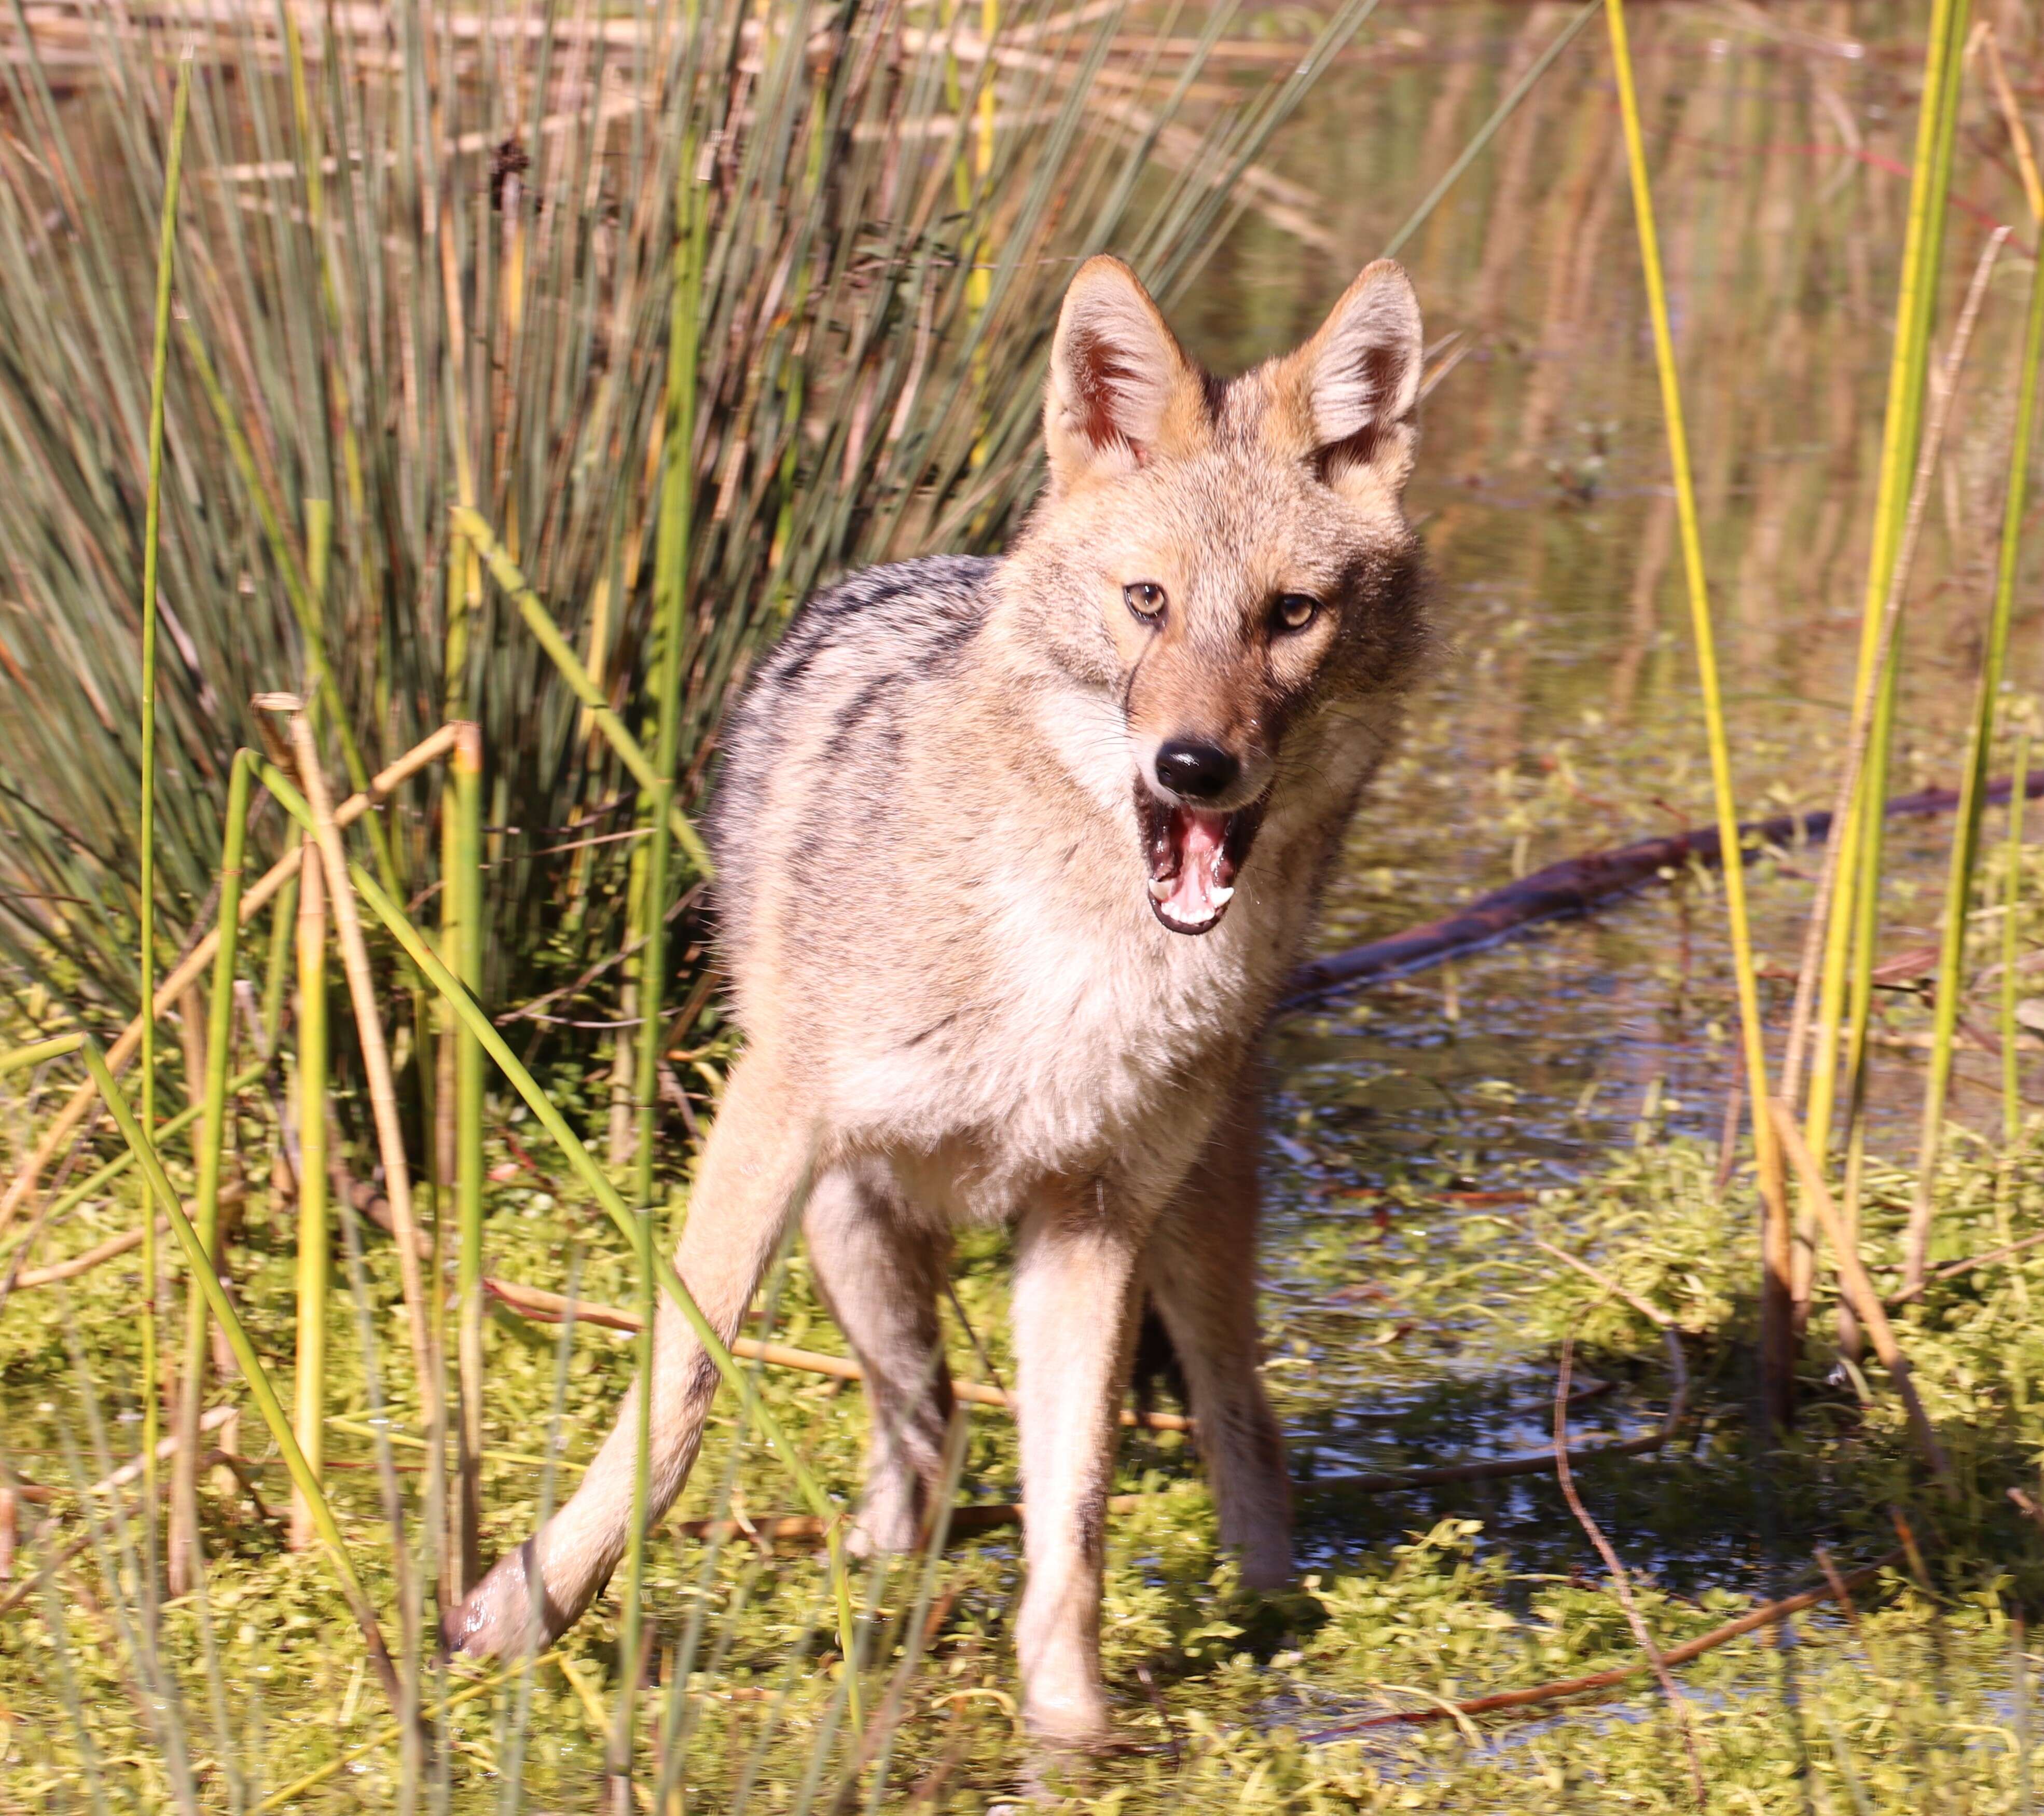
(551, 1308)
(1769, 1614)
(1575, 886)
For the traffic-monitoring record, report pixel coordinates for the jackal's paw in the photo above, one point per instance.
(1266, 1564)
(1072, 1717)
(499, 1617)
(890, 1522)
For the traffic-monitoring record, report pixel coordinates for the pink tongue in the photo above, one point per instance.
(1195, 896)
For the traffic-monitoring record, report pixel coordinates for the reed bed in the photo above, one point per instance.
(368, 638)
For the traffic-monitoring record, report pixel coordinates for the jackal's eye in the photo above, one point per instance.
(1144, 598)
(1293, 611)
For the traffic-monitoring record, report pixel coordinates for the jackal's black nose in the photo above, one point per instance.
(1199, 772)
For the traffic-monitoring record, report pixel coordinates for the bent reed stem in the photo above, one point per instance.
(507, 574)
(258, 895)
(375, 1053)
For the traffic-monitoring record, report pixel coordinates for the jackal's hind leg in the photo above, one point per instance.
(879, 1269)
(1201, 1271)
(752, 1169)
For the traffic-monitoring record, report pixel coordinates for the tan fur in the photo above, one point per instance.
(958, 1005)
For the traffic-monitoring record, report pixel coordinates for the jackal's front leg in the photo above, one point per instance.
(1074, 1326)
(752, 1168)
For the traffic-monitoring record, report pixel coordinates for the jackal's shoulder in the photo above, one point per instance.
(862, 665)
(901, 616)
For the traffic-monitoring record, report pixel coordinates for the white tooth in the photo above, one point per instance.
(1220, 897)
(1162, 886)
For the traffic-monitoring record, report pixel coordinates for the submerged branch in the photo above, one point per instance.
(1577, 884)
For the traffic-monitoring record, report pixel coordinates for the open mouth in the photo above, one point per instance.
(1194, 854)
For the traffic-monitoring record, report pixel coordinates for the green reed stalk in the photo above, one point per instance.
(1775, 1281)
(1867, 905)
(671, 595)
(314, 1257)
(1857, 866)
(277, 967)
(152, 515)
(19, 1058)
(1489, 130)
(464, 885)
(1973, 792)
(2011, 1069)
(187, 1560)
(251, 1364)
(1859, 741)
(505, 572)
(2012, 1066)
(592, 1175)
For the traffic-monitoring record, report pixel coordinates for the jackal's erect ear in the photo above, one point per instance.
(1121, 391)
(1356, 383)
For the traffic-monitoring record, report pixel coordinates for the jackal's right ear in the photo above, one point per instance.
(1121, 391)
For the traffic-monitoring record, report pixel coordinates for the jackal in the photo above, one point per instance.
(1014, 856)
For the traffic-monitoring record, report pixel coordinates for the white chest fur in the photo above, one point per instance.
(1094, 1043)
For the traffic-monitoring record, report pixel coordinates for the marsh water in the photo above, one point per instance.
(1561, 713)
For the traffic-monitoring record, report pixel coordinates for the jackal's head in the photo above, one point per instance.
(1228, 561)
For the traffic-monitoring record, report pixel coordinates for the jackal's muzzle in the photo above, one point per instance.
(1194, 854)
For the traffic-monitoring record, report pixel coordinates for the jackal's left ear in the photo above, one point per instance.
(1121, 391)
(1361, 377)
